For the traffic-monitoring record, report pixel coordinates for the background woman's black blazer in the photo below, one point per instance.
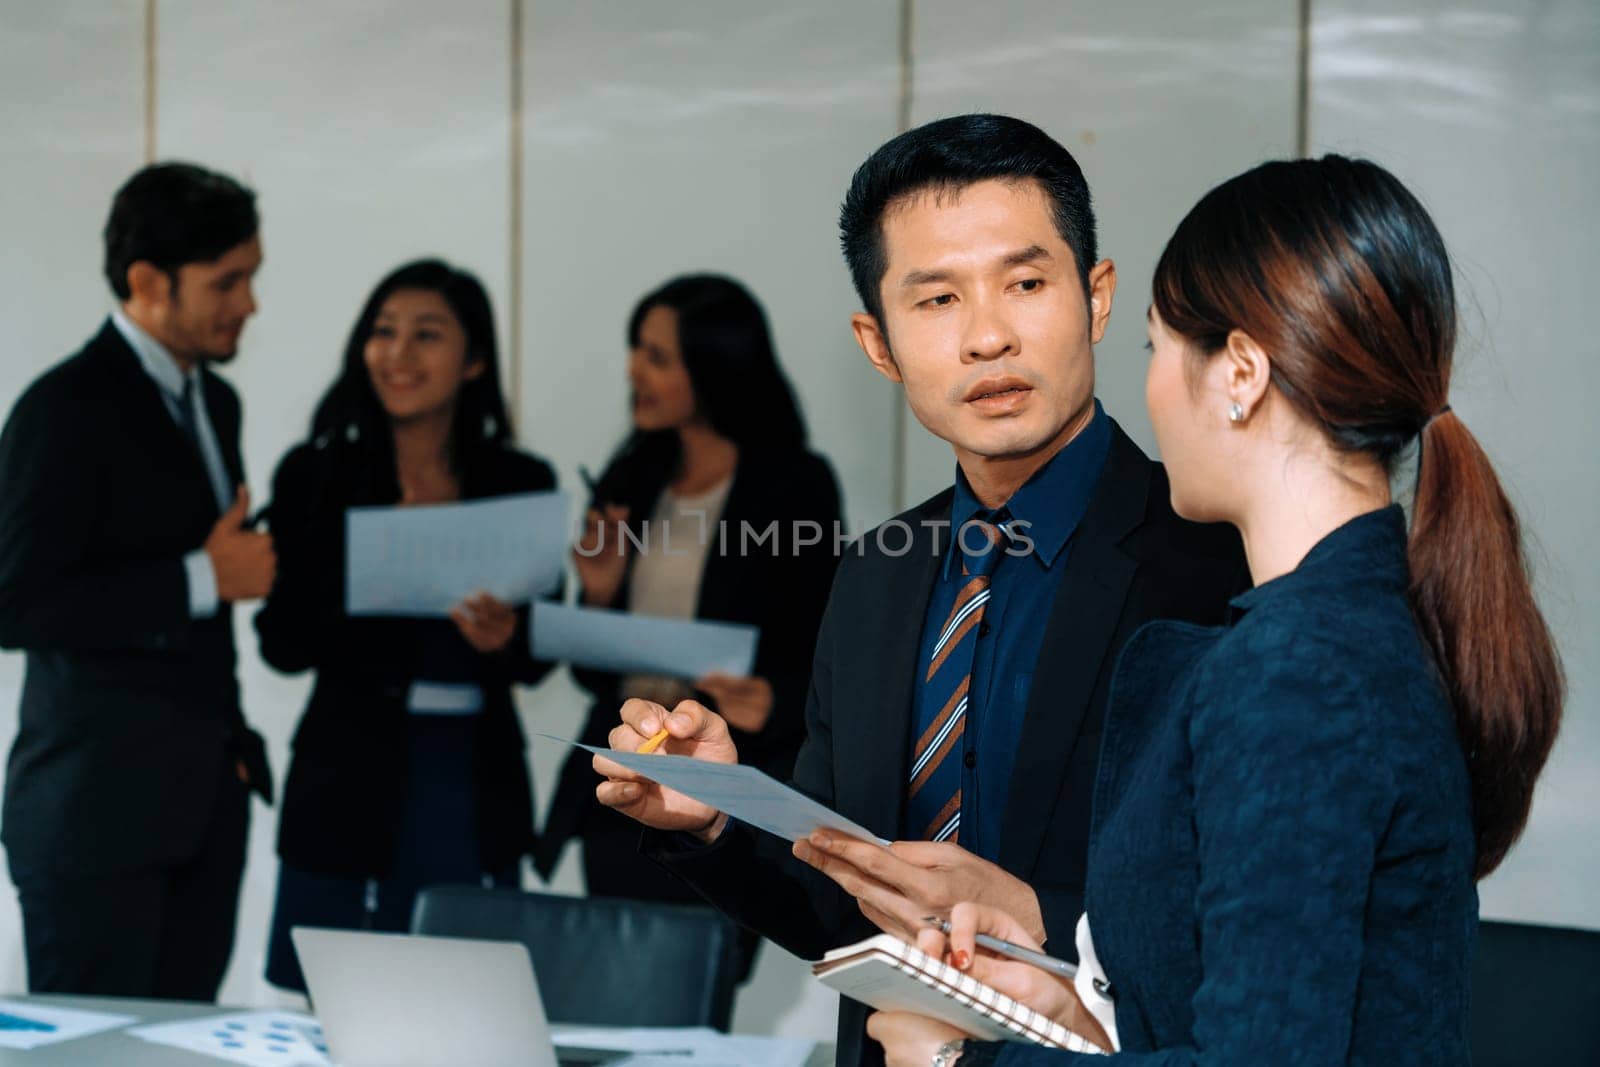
(777, 585)
(346, 783)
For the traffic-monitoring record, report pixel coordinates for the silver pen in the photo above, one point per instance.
(1066, 970)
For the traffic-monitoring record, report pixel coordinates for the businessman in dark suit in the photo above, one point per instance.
(122, 550)
(963, 664)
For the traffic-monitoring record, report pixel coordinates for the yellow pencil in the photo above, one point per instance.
(655, 742)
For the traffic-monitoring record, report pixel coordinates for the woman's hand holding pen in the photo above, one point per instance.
(692, 731)
(1040, 990)
(601, 556)
(485, 622)
(743, 702)
(909, 1039)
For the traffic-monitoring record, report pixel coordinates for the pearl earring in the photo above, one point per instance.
(1235, 412)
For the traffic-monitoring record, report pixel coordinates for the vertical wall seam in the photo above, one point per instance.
(150, 81)
(902, 124)
(514, 370)
(1302, 116)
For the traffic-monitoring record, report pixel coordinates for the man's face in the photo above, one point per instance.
(204, 314)
(984, 319)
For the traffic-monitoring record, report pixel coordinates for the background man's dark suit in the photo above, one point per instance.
(1132, 560)
(125, 817)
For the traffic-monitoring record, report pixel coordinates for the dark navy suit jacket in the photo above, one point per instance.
(130, 712)
(1281, 854)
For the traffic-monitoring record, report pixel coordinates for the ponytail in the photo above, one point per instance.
(1474, 602)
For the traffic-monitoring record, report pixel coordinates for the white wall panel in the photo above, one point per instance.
(1158, 102)
(1492, 116)
(373, 132)
(71, 96)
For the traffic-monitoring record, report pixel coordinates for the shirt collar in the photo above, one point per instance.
(1368, 548)
(153, 355)
(1048, 507)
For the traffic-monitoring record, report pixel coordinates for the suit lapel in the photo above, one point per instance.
(1077, 638)
(885, 715)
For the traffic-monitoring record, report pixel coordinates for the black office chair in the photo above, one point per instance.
(600, 961)
(1535, 996)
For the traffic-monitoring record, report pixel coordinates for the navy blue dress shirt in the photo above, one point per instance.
(1042, 517)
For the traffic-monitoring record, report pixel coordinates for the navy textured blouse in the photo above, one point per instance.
(1280, 864)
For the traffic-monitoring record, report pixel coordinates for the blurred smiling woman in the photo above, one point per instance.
(1292, 811)
(408, 765)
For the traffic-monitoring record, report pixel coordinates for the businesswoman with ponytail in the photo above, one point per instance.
(1293, 810)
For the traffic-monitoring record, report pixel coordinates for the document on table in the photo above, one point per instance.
(744, 793)
(25, 1025)
(253, 1038)
(700, 1046)
(422, 561)
(624, 643)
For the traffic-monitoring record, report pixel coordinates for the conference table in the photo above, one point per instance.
(116, 1048)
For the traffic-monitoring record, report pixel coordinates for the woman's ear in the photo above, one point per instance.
(1246, 373)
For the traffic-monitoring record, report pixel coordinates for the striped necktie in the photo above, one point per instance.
(936, 760)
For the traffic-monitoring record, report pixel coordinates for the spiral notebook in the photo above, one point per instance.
(885, 973)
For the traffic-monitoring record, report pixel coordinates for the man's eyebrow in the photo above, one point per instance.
(1149, 313)
(1031, 254)
(924, 277)
(1021, 257)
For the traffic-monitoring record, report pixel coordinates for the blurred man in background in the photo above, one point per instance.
(123, 545)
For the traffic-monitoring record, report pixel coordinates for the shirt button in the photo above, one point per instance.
(970, 759)
(983, 628)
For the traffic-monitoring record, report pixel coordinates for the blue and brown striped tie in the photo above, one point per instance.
(936, 760)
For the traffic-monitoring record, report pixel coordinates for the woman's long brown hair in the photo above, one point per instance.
(1337, 271)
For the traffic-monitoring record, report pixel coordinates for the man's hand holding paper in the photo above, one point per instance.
(694, 783)
(897, 885)
(692, 731)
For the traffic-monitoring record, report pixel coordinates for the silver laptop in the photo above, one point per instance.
(402, 1000)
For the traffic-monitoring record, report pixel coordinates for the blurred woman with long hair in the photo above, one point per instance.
(408, 767)
(717, 457)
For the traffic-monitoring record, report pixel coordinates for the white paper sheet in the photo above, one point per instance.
(422, 561)
(697, 1046)
(25, 1025)
(624, 643)
(744, 793)
(253, 1038)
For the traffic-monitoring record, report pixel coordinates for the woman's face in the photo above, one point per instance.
(1189, 413)
(663, 396)
(417, 355)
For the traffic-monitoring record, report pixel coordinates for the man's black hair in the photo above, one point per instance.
(950, 154)
(169, 214)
